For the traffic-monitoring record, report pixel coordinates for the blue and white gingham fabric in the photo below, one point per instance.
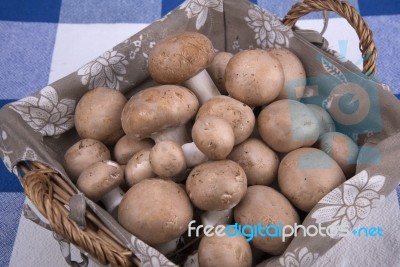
(42, 41)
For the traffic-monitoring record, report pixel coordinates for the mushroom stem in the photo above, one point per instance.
(217, 217)
(112, 199)
(177, 134)
(202, 86)
(193, 155)
(167, 247)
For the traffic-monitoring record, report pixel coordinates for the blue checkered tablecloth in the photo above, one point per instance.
(42, 41)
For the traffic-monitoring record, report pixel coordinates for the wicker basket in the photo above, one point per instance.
(51, 194)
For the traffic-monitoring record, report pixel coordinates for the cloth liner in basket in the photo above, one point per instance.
(39, 128)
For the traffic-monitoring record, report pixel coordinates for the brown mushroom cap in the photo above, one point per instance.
(213, 136)
(254, 77)
(99, 179)
(259, 162)
(216, 185)
(294, 73)
(156, 211)
(218, 251)
(179, 56)
(158, 108)
(167, 159)
(239, 115)
(126, 147)
(217, 70)
(287, 124)
(306, 175)
(264, 205)
(138, 168)
(98, 115)
(325, 121)
(342, 149)
(83, 154)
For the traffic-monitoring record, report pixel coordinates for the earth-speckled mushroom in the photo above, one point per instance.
(156, 211)
(160, 113)
(293, 71)
(216, 185)
(259, 162)
(126, 147)
(217, 70)
(98, 115)
(182, 58)
(266, 206)
(239, 115)
(101, 181)
(254, 77)
(82, 154)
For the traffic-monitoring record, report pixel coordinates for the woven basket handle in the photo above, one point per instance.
(367, 45)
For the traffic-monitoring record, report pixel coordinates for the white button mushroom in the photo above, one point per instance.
(182, 58)
(259, 162)
(294, 74)
(83, 154)
(98, 115)
(239, 115)
(217, 70)
(156, 211)
(254, 77)
(160, 113)
(101, 181)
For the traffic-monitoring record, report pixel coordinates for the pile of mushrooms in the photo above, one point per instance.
(194, 147)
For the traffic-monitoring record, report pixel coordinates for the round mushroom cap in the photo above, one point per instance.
(216, 185)
(158, 108)
(342, 149)
(293, 71)
(83, 154)
(126, 147)
(259, 162)
(225, 250)
(306, 175)
(287, 124)
(167, 159)
(217, 70)
(156, 211)
(254, 77)
(325, 121)
(180, 56)
(239, 115)
(266, 206)
(213, 136)
(98, 115)
(100, 178)
(138, 168)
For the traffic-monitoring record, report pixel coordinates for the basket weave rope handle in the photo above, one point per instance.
(367, 45)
